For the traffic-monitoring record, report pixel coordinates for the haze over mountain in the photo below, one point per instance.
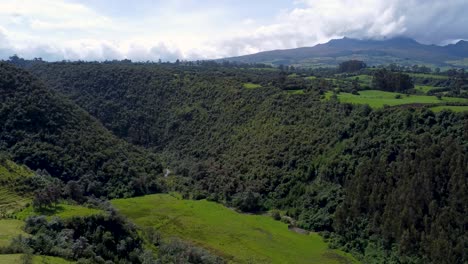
(403, 51)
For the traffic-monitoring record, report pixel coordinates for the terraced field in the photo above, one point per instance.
(10, 173)
(240, 238)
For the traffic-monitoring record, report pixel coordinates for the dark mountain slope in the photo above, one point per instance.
(45, 131)
(401, 50)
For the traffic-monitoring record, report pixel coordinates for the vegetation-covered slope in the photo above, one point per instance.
(45, 131)
(383, 180)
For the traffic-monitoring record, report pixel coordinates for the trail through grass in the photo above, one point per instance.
(239, 238)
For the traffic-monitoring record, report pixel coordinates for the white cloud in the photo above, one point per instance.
(58, 29)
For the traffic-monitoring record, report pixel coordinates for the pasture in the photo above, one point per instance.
(453, 108)
(251, 86)
(18, 258)
(424, 88)
(62, 210)
(377, 99)
(239, 238)
(10, 228)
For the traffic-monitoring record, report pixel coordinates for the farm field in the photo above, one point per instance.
(251, 86)
(424, 88)
(377, 99)
(10, 228)
(9, 200)
(17, 258)
(451, 108)
(363, 79)
(237, 237)
(62, 211)
(429, 76)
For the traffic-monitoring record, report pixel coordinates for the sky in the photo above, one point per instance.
(143, 30)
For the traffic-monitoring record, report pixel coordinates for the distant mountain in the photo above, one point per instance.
(404, 51)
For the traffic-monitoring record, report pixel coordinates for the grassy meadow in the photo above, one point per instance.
(10, 228)
(251, 86)
(377, 99)
(454, 108)
(61, 210)
(240, 238)
(18, 258)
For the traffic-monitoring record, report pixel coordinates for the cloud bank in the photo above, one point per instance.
(59, 29)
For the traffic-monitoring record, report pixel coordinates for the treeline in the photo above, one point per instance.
(384, 181)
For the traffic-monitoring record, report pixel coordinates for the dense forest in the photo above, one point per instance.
(388, 185)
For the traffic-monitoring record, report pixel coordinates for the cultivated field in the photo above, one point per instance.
(251, 86)
(10, 228)
(451, 108)
(17, 258)
(61, 210)
(9, 174)
(238, 237)
(377, 99)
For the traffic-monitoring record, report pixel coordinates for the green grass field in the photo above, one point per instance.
(240, 238)
(429, 76)
(424, 88)
(450, 108)
(251, 86)
(377, 99)
(295, 91)
(10, 228)
(62, 211)
(363, 79)
(16, 258)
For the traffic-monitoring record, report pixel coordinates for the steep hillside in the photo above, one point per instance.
(398, 50)
(387, 182)
(47, 132)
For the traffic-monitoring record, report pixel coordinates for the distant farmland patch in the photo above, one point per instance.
(251, 86)
(377, 99)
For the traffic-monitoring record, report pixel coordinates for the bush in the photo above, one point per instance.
(275, 214)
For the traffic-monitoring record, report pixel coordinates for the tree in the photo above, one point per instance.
(351, 66)
(391, 81)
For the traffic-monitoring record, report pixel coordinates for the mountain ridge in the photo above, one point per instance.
(400, 50)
